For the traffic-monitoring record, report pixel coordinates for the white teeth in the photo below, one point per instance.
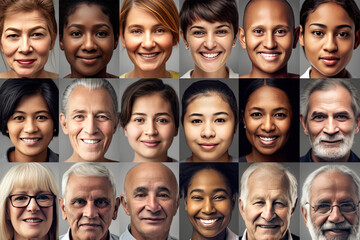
(148, 55)
(270, 55)
(266, 139)
(90, 141)
(210, 55)
(30, 139)
(33, 220)
(210, 221)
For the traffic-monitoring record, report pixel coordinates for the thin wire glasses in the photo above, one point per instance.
(326, 208)
(23, 200)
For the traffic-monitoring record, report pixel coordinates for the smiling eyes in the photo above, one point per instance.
(140, 31)
(38, 118)
(201, 33)
(99, 117)
(98, 34)
(338, 117)
(259, 32)
(199, 121)
(260, 115)
(322, 33)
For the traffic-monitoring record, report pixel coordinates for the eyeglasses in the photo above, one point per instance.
(326, 208)
(23, 200)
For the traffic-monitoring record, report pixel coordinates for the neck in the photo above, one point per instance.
(139, 236)
(16, 156)
(257, 73)
(197, 236)
(255, 156)
(18, 237)
(199, 73)
(77, 158)
(105, 237)
(318, 159)
(101, 74)
(160, 72)
(224, 158)
(163, 158)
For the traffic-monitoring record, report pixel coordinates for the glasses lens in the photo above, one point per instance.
(45, 200)
(327, 208)
(322, 208)
(347, 208)
(19, 200)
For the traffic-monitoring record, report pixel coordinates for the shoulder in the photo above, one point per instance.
(245, 76)
(307, 157)
(123, 75)
(306, 74)
(187, 75)
(4, 75)
(294, 237)
(232, 74)
(52, 157)
(109, 75)
(173, 74)
(51, 75)
(293, 75)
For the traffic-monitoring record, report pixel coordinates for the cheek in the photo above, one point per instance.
(167, 132)
(191, 133)
(134, 132)
(71, 45)
(166, 42)
(42, 48)
(107, 46)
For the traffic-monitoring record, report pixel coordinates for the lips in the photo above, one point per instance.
(208, 146)
(330, 60)
(31, 141)
(90, 225)
(91, 141)
(33, 220)
(270, 56)
(209, 222)
(267, 140)
(149, 55)
(270, 227)
(210, 55)
(153, 219)
(25, 61)
(151, 143)
(89, 59)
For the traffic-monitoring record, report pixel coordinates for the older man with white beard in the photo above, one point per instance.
(330, 203)
(330, 116)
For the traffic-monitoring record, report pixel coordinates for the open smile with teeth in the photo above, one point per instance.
(149, 55)
(267, 139)
(270, 54)
(208, 221)
(210, 55)
(90, 141)
(33, 220)
(30, 140)
(269, 226)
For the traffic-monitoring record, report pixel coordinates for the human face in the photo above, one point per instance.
(209, 126)
(332, 188)
(30, 128)
(210, 44)
(328, 40)
(151, 128)
(88, 41)
(209, 204)
(330, 124)
(89, 207)
(90, 123)
(151, 200)
(267, 118)
(26, 42)
(147, 42)
(268, 35)
(268, 209)
(31, 222)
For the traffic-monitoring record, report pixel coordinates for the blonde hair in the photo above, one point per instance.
(27, 175)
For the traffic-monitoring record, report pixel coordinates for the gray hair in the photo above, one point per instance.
(327, 84)
(87, 169)
(91, 84)
(305, 198)
(250, 170)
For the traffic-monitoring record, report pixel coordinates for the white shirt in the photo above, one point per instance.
(231, 73)
(288, 233)
(66, 236)
(307, 74)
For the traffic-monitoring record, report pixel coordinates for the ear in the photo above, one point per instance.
(296, 36)
(357, 124)
(304, 214)
(236, 37)
(242, 38)
(301, 35)
(176, 206)
(62, 207)
(125, 132)
(176, 132)
(116, 41)
(61, 42)
(124, 204)
(357, 39)
(123, 43)
(293, 209)
(117, 204)
(117, 120)
(233, 199)
(241, 209)
(184, 40)
(185, 203)
(62, 120)
(303, 123)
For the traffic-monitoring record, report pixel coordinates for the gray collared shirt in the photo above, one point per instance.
(127, 235)
(288, 233)
(66, 236)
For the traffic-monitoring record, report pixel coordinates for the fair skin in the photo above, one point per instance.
(268, 36)
(210, 47)
(267, 118)
(30, 129)
(89, 206)
(26, 43)
(151, 200)
(209, 126)
(88, 42)
(90, 122)
(331, 119)
(148, 44)
(329, 40)
(151, 128)
(268, 208)
(332, 188)
(209, 204)
(31, 222)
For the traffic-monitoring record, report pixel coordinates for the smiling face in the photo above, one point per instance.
(331, 124)
(268, 36)
(147, 42)
(210, 44)
(90, 123)
(31, 222)
(268, 208)
(267, 118)
(30, 128)
(88, 41)
(151, 128)
(209, 126)
(26, 43)
(333, 188)
(209, 204)
(89, 207)
(328, 40)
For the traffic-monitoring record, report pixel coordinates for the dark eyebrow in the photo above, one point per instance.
(156, 114)
(163, 189)
(18, 30)
(41, 111)
(256, 108)
(220, 190)
(196, 190)
(140, 189)
(196, 115)
(220, 113)
(224, 25)
(317, 113)
(324, 26)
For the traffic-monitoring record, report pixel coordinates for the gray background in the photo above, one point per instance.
(52, 63)
(293, 64)
(305, 170)
(125, 219)
(172, 64)
(353, 65)
(65, 147)
(185, 152)
(127, 154)
(294, 221)
(5, 142)
(187, 63)
(304, 140)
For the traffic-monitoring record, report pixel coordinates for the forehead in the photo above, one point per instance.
(25, 19)
(268, 96)
(27, 101)
(208, 103)
(152, 102)
(83, 186)
(147, 18)
(333, 187)
(88, 14)
(208, 179)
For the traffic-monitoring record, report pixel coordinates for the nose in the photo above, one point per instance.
(90, 210)
(90, 125)
(33, 206)
(331, 127)
(30, 126)
(148, 40)
(269, 41)
(152, 204)
(151, 129)
(210, 41)
(335, 215)
(268, 124)
(208, 131)
(208, 207)
(25, 46)
(330, 43)
(268, 212)
(89, 43)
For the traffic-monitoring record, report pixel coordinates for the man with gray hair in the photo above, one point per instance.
(89, 115)
(267, 202)
(330, 203)
(330, 116)
(89, 202)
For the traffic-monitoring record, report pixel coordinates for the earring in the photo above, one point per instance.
(186, 47)
(234, 44)
(244, 126)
